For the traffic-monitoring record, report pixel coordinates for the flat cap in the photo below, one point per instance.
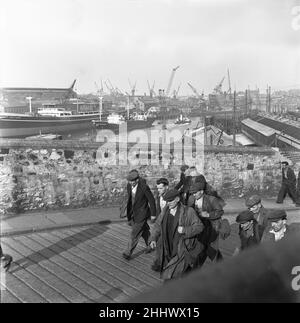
(276, 215)
(198, 185)
(252, 200)
(133, 175)
(244, 217)
(170, 195)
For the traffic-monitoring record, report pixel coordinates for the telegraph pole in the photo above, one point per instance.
(246, 101)
(234, 112)
(269, 99)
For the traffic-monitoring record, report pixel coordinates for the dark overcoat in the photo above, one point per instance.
(189, 246)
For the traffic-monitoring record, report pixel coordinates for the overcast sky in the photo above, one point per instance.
(49, 43)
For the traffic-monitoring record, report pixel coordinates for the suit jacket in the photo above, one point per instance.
(247, 241)
(211, 205)
(262, 221)
(290, 179)
(144, 203)
(157, 203)
(214, 208)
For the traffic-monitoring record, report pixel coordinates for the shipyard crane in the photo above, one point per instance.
(171, 79)
(114, 89)
(200, 97)
(218, 87)
(151, 89)
(229, 84)
(132, 87)
(99, 91)
(175, 93)
(111, 90)
(73, 84)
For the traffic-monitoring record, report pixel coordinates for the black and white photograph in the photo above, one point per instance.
(149, 154)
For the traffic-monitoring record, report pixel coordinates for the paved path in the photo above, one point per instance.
(44, 220)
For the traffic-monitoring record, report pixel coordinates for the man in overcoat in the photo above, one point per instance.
(178, 226)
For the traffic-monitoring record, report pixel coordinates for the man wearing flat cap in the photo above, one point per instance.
(260, 214)
(188, 178)
(210, 211)
(288, 184)
(248, 230)
(279, 228)
(140, 207)
(178, 227)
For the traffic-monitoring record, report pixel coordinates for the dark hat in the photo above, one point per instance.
(244, 217)
(133, 175)
(276, 215)
(198, 185)
(183, 168)
(162, 181)
(252, 200)
(170, 195)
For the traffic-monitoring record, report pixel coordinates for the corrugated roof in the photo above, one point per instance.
(243, 140)
(281, 126)
(265, 130)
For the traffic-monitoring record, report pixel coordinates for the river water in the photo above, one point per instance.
(140, 135)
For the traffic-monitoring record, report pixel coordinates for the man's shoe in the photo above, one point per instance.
(148, 249)
(7, 262)
(126, 256)
(279, 202)
(155, 267)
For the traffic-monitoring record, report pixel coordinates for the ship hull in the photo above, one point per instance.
(23, 126)
(130, 124)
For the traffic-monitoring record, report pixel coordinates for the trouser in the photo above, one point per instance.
(214, 258)
(157, 260)
(138, 230)
(287, 189)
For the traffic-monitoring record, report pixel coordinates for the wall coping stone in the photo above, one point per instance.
(84, 145)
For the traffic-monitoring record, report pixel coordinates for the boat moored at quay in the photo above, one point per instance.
(46, 120)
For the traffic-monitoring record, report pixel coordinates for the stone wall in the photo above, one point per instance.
(51, 175)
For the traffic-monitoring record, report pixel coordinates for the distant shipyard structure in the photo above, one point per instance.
(16, 99)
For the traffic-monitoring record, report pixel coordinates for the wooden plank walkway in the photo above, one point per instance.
(82, 264)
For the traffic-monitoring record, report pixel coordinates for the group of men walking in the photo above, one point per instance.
(187, 222)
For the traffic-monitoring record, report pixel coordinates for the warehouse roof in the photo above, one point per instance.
(264, 130)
